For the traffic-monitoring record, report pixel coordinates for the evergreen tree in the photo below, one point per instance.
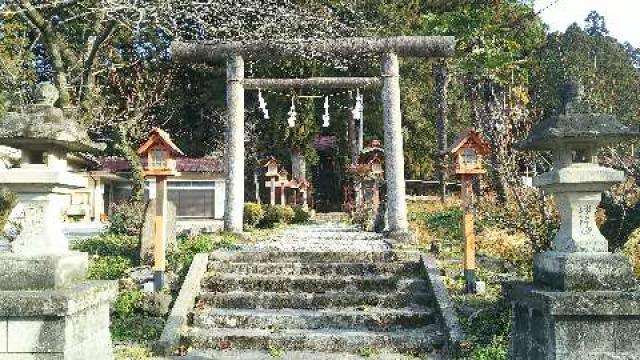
(595, 24)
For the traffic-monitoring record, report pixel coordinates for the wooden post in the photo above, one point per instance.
(283, 199)
(469, 234)
(273, 191)
(305, 204)
(160, 234)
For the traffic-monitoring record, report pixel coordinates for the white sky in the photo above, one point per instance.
(622, 16)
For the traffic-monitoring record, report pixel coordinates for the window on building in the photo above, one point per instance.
(193, 199)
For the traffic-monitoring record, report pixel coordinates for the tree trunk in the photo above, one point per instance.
(137, 172)
(441, 76)
(494, 125)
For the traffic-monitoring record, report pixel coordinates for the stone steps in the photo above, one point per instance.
(310, 284)
(321, 269)
(303, 296)
(373, 319)
(421, 340)
(301, 300)
(300, 355)
(314, 256)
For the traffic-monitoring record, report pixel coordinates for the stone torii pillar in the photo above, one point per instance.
(393, 149)
(234, 146)
(389, 48)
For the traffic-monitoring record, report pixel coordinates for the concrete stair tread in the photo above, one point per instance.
(366, 318)
(372, 310)
(314, 256)
(297, 355)
(424, 339)
(308, 283)
(305, 300)
(398, 268)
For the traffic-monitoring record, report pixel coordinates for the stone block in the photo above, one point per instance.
(3, 335)
(586, 335)
(561, 325)
(65, 324)
(35, 335)
(626, 335)
(40, 272)
(583, 271)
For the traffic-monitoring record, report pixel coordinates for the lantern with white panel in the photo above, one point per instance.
(468, 151)
(160, 153)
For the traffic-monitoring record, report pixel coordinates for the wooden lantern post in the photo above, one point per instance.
(284, 182)
(468, 151)
(272, 173)
(295, 186)
(304, 188)
(161, 154)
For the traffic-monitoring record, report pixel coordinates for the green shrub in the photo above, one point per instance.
(136, 328)
(7, 203)
(300, 215)
(111, 245)
(277, 214)
(253, 213)
(446, 223)
(187, 247)
(133, 353)
(108, 267)
(497, 350)
(127, 303)
(127, 218)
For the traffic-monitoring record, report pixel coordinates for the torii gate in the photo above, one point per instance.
(388, 48)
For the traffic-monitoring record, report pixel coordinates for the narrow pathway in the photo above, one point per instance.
(326, 291)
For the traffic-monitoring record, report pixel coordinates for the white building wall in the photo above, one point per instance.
(219, 198)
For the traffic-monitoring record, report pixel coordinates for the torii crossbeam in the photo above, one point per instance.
(387, 48)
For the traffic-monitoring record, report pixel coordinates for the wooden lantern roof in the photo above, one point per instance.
(470, 138)
(159, 137)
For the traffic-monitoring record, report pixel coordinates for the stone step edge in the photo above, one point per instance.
(295, 355)
(368, 318)
(423, 339)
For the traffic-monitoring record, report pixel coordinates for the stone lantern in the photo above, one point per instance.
(584, 301)
(283, 181)
(49, 309)
(272, 173)
(161, 154)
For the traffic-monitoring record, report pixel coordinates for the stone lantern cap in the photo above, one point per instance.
(43, 127)
(576, 125)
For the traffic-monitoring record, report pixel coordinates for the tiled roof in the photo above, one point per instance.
(325, 142)
(212, 164)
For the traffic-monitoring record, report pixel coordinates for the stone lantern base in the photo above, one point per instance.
(567, 325)
(70, 323)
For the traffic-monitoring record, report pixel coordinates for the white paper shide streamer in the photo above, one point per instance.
(292, 113)
(325, 117)
(358, 109)
(263, 105)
